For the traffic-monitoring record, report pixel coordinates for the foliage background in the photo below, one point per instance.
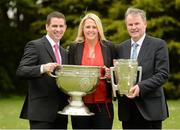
(24, 20)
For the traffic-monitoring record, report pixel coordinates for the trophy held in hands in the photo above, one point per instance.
(77, 81)
(126, 73)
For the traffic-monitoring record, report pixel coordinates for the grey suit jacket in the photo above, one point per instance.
(108, 52)
(153, 57)
(44, 98)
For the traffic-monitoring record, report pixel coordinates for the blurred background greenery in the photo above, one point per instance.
(24, 20)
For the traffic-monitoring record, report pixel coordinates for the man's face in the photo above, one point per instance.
(56, 28)
(136, 26)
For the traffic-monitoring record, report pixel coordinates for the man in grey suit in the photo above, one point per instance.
(44, 99)
(146, 108)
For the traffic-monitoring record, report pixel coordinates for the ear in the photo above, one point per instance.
(145, 23)
(65, 27)
(47, 27)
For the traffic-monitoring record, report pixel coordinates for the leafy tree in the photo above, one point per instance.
(24, 20)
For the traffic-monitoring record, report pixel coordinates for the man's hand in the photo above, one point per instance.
(134, 92)
(49, 67)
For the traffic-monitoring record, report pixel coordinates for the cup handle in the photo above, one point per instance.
(140, 73)
(114, 86)
(52, 75)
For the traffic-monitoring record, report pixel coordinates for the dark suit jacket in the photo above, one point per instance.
(44, 98)
(153, 57)
(76, 52)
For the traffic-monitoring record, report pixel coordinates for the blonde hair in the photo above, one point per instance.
(96, 19)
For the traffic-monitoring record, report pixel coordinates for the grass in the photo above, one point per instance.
(11, 107)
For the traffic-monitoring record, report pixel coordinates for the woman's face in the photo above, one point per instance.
(90, 30)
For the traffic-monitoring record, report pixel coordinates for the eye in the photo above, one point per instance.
(88, 26)
(61, 26)
(94, 27)
(136, 23)
(54, 26)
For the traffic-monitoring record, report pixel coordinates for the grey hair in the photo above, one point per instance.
(136, 11)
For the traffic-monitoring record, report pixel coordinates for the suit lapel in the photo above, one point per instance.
(143, 50)
(105, 53)
(79, 53)
(63, 57)
(49, 48)
(127, 50)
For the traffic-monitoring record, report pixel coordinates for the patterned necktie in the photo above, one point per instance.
(134, 51)
(56, 53)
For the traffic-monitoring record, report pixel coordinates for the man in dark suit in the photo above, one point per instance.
(44, 98)
(146, 108)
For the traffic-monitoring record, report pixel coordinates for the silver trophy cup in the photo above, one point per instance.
(125, 72)
(77, 81)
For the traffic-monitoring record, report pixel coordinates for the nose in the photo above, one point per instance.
(133, 26)
(59, 29)
(91, 29)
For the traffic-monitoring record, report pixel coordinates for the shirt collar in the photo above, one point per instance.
(51, 40)
(140, 41)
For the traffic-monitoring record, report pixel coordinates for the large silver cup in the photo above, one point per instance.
(125, 72)
(77, 81)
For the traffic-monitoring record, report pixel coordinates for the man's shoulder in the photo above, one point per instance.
(38, 41)
(154, 38)
(124, 43)
(155, 41)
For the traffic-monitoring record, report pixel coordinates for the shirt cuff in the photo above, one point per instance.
(41, 69)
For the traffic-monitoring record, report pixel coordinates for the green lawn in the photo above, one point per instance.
(10, 109)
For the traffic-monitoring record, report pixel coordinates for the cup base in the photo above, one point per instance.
(76, 111)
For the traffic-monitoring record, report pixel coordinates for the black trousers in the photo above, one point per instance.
(103, 118)
(60, 123)
(136, 120)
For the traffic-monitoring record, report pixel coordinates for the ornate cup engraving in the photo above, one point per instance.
(84, 84)
(125, 71)
(76, 81)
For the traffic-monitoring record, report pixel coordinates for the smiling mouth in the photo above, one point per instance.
(90, 34)
(58, 35)
(134, 32)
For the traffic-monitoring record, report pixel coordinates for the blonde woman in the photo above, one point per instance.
(91, 48)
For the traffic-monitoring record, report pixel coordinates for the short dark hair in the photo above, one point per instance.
(55, 14)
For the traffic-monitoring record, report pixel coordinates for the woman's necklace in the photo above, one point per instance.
(91, 53)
